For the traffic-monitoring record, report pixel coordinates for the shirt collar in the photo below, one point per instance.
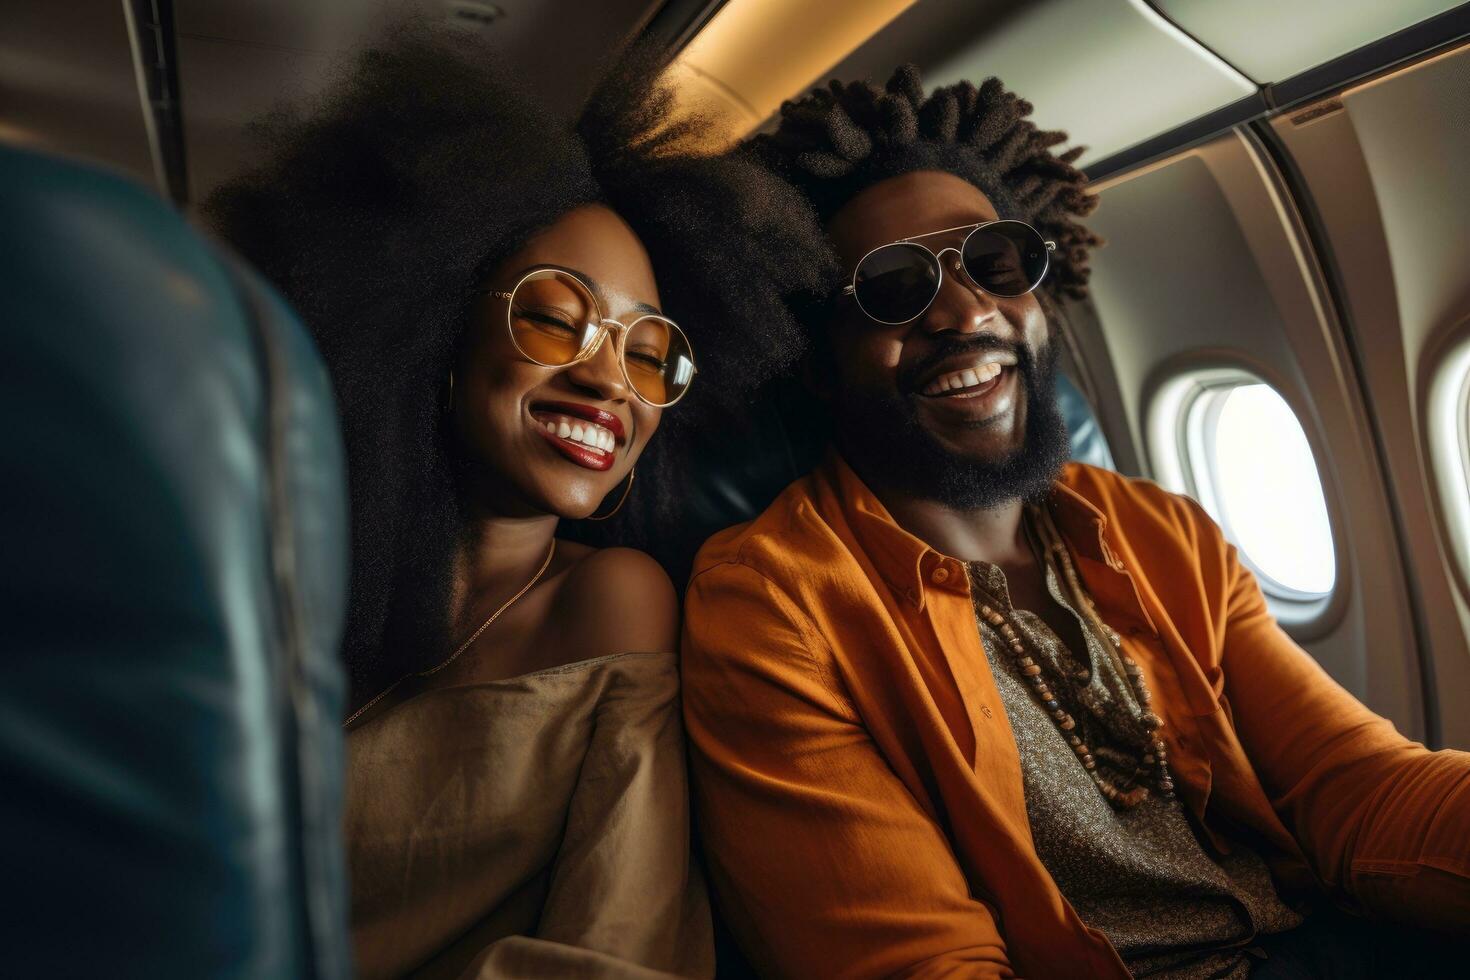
(908, 565)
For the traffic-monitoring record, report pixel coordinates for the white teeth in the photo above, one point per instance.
(966, 378)
(589, 434)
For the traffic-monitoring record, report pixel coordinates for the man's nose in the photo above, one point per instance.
(961, 306)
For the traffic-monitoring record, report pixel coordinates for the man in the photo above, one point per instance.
(960, 710)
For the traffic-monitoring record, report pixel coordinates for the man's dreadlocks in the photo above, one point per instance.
(838, 140)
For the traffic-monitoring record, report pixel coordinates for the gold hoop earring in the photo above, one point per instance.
(621, 500)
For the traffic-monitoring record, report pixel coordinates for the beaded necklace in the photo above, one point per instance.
(1121, 776)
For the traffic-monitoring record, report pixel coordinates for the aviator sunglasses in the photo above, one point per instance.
(897, 282)
(555, 320)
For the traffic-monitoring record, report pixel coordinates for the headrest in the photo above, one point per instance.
(171, 592)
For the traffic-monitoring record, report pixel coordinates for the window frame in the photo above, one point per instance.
(1446, 415)
(1182, 447)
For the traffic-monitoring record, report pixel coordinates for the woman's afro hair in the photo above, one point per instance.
(835, 141)
(382, 205)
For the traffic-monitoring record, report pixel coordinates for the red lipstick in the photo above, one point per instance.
(582, 457)
(585, 435)
(597, 416)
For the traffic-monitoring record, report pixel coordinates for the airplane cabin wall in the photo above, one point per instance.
(1327, 255)
(1387, 175)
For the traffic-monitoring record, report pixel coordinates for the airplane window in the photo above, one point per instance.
(1449, 433)
(1252, 469)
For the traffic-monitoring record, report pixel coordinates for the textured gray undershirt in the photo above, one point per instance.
(1141, 876)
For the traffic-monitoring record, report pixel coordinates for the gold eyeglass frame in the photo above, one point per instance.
(605, 326)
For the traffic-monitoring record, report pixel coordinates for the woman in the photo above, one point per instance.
(481, 281)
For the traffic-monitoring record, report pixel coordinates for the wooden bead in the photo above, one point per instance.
(1118, 774)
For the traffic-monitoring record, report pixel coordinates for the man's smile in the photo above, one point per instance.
(970, 389)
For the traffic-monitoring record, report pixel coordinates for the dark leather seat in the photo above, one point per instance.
(172, 584)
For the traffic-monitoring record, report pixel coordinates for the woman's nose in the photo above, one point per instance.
(602, 373)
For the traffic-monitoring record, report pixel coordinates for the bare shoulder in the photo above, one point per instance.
(617, 600)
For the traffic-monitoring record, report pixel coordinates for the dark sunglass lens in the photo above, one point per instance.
(895, 283)
(1008, 258)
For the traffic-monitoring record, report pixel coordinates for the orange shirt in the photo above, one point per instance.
(858, 786)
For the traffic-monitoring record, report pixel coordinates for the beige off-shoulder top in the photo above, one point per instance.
(536, 826)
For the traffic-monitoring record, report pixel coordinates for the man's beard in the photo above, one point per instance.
(883, 440)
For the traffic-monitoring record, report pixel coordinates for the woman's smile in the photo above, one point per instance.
(586, 435)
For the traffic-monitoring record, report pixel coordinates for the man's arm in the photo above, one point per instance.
(1383, 820)
(825, 863)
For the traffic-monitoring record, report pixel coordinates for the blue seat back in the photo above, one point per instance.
(172, 586)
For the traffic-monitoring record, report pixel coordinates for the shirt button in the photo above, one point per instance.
(940, 575)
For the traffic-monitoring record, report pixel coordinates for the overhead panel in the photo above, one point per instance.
(754, 54)
(1270, 41)
(1111, 73)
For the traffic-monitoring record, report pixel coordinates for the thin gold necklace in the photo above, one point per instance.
(466, 644)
